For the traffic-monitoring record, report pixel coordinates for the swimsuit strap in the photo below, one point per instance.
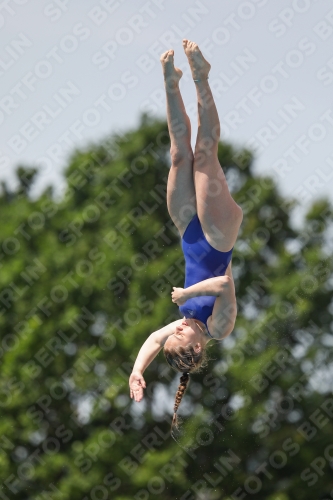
(211, 336)
(196, 319)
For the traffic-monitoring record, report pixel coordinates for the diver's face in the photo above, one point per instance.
(186, 333)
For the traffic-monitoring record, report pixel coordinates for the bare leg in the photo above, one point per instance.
(219, 214)
(180, 190)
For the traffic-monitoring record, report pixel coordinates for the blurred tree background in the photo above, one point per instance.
(86, 279)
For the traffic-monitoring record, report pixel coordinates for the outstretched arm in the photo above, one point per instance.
(147, 353)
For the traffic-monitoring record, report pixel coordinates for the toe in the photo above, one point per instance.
(164, 56)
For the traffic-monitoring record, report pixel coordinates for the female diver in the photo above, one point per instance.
(208, 220)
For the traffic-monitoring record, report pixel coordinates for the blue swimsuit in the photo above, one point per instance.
(202, 262)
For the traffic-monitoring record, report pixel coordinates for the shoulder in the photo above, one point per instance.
(218, 332)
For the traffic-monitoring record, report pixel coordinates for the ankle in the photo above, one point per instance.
(171, 86)
(201, 80)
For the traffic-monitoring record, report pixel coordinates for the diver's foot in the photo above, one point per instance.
(198, 64)
(172, 75)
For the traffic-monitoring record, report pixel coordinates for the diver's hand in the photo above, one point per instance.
(137, 384)
(178, 296)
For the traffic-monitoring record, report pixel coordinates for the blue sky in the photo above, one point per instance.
(73, 72)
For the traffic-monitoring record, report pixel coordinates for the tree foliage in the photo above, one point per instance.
(86, 279)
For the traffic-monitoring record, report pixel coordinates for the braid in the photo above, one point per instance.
(184, 379)
(185, 360)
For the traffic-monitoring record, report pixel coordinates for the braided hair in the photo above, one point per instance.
(184, 379)
(185, 360)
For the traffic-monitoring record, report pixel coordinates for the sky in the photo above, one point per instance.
(75, 72)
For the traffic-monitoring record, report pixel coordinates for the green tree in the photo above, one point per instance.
(86, 279)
